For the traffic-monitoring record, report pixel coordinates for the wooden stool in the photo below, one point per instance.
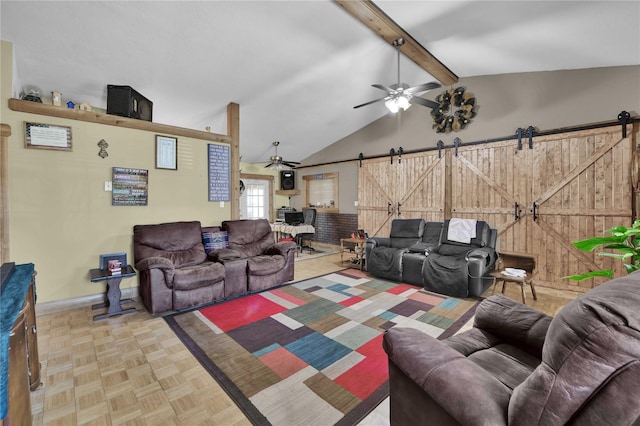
(523, 261)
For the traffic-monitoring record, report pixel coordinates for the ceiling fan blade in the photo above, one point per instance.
(423, 87)
(291, 164)
(370, 102)
(385, 88)
(424, 102)
(269, 165)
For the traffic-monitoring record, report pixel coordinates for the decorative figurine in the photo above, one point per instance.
(56, 98)
(85, 107)
(71, 105)
(31, 93)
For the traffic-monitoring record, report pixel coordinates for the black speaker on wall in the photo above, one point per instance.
(287, 179)
(126, 102)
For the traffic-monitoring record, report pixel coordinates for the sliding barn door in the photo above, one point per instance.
(580, 187)
(411, 186)
(565, 188)
(491, 182)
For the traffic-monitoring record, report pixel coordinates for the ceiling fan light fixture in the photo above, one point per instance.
(394, 104)
(403, 102)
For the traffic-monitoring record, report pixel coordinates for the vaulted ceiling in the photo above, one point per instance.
(296, 68)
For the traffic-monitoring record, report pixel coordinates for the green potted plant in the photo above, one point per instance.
(625, 245)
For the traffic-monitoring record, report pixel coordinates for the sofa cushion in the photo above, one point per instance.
(252, 237)
(265, 265)
(203, 275)
(180, 242)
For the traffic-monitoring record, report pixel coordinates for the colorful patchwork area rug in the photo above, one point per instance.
(310, 353)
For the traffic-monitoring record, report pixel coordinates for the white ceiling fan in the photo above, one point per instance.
(401, 95)
(278, 162)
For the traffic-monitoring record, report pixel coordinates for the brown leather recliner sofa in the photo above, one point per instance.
(267, 263)
(176, 273)
(518, 366)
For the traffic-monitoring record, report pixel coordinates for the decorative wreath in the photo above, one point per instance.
(455, 110)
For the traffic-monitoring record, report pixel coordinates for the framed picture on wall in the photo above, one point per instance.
(166, 152)
(47, 136)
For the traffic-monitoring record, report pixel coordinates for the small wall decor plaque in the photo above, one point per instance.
(130, 187)
(47, 136)
(166, 152)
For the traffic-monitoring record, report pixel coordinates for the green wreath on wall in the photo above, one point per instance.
(455, 110)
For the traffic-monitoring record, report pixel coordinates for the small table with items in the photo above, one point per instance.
(353, 246)
(113, 291)
(283, 228)
(515, 268)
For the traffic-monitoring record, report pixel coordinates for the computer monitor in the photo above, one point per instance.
(293, 218)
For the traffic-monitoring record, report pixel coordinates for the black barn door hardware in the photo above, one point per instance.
(516, 211)
(456, 143)
(389, 211)
(624, 118)
(399, 212)
(440, 145)
(392, 152)
(400, 151)
(361, 157)
(530, 131)
(534, 210)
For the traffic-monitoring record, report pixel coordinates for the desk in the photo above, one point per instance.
(355, 245)
(113, 291)
(519, 261)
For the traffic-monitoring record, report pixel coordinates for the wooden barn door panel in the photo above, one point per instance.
(420, 187)
(410, 187)
(375, 195)
(490, 182)
(581, 187)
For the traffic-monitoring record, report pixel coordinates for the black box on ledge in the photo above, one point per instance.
(126, 102)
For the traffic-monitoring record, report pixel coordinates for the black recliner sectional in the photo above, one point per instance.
(428, 254)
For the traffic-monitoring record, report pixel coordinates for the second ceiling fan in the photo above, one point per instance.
(400, 95)
(278, 162)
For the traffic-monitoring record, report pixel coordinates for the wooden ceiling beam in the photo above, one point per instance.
(380, 23)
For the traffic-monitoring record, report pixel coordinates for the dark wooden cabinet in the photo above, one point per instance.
(19, 402)
(24, 364)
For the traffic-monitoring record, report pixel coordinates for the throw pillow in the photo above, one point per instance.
(215, 241)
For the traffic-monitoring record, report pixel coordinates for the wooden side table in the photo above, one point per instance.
(519, 261)
(113, 291)
(347, 245)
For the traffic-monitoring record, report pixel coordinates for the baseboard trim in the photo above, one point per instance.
(58, 306)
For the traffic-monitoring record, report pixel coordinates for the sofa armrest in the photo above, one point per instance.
(378, 242)
(448, 377)
(486, 255)
(514, 322)
(225, 254)
(156, 262)
(282, 248)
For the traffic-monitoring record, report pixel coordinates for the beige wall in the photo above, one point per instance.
(545, 100)
(61, 219)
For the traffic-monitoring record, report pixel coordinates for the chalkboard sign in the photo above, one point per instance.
(219, 173)
(130, 187)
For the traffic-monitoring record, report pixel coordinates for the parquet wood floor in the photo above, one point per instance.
(132, 369)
